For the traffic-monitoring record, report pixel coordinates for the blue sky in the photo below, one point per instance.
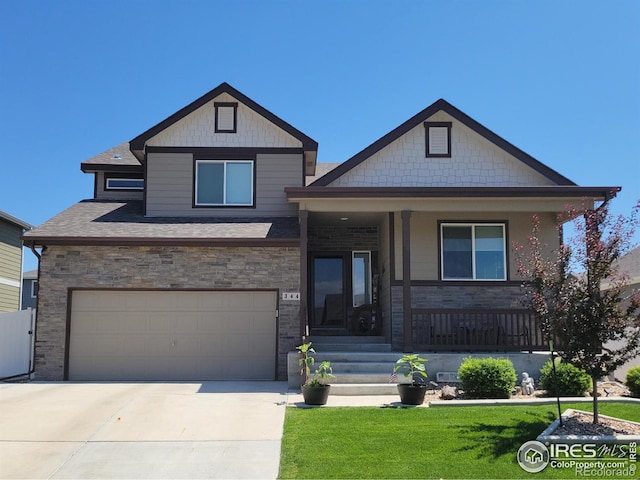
(560, 80)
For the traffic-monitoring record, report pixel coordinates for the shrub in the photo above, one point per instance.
(569, 381)
(633, 381)
(487, 377)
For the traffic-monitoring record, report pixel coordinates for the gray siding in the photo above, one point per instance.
(27, 287)
(170, 186)
(103, 194)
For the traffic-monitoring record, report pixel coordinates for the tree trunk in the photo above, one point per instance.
(594, 392)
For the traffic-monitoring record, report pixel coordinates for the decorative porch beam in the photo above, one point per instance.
(406, 281)
(304, 330)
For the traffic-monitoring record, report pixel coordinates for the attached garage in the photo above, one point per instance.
(172, 335)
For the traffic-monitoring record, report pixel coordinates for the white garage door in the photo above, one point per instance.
(172, 335)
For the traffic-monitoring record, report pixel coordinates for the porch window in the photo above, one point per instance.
(361, 265)
(473, 251)
(224, 183)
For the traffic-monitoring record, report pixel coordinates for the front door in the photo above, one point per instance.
(329, 294)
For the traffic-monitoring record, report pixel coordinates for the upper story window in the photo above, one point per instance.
(221, 183)
(226, 117)
(34, 288)
(438, 139)
(473, 251)
(123, 183)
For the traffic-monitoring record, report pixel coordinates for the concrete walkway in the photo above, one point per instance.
(141, 430)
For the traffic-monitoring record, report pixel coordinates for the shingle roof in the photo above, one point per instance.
(117, 156)
(100, 222)
(321, 170)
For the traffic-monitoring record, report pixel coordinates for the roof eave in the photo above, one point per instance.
(15, 221)
(42, 240)
(313, 191)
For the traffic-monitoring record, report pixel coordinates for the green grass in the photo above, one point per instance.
(443, 442)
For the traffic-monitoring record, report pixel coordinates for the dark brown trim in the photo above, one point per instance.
(461, 117)
(95, 167)
(392, 247)
(227, 152)
(406, 281)
(304, 272)
(427, 126)
(71, 290)
(460, 283)
(146, 187)
(254, 193)
(67, 335)
(562, 191)
(234, 105)
(163, 241)
(138, 143)
(95, 185)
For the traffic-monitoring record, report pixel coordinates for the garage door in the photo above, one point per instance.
(172, 335)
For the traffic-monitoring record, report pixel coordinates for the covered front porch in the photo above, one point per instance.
(425, 269)
(359, 282)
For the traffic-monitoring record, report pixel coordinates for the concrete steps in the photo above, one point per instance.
(362, 365)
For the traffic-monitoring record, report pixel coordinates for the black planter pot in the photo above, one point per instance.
(411, 394)
(315, 395)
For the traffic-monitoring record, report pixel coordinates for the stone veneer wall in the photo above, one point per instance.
(64, 267)
(451, 296)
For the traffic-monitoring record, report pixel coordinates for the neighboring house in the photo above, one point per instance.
(29, 289)
(11, 230)
(214, 244)
(629, 266)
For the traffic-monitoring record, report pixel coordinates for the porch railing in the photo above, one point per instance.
(476, 330)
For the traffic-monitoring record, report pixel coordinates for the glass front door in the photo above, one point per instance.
(329, 293)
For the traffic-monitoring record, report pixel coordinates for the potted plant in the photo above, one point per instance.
(412, 366)
(315, 388)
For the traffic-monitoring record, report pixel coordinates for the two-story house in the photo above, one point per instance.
(215, 243)
(11, 230)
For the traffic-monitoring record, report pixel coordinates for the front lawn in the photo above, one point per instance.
(442, 442)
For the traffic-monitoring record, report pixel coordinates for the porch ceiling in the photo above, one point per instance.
(346, 218)
(447, 199)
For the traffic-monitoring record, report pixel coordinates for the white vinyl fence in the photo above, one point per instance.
(16, 342)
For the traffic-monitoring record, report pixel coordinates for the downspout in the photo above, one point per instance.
(32, 363)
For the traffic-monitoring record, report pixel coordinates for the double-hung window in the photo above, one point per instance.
(222, 183)
(473, 251)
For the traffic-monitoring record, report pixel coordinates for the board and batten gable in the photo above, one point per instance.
(474, 162)
(10, 266)
(197, 129)
(170, 186)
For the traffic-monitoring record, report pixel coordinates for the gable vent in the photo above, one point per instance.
(438, 139)
(226, 117)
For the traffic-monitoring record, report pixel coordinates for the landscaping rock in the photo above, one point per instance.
(448, 393)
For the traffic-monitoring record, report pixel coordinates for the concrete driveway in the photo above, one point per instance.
(141, 430)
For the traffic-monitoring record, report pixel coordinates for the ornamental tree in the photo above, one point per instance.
(577, 292)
